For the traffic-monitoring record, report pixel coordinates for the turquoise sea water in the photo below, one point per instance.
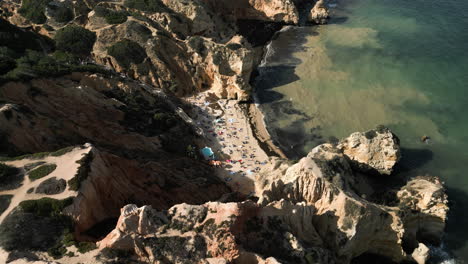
(403, 64)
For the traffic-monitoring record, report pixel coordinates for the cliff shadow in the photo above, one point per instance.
(412, 159)
(258, 33)
(271, 77)
(457, 222)
(278, 67)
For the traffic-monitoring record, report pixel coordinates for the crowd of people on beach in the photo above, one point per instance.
(227, 132)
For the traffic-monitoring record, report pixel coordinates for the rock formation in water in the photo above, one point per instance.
(319, 13)
(377, 150)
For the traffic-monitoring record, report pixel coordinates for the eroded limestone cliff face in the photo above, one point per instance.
(309, 212)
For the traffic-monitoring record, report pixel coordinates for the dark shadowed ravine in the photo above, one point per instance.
(403, 64)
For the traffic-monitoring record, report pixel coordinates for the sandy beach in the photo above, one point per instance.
(228, 132)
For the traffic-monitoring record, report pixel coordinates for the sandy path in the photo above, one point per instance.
(66, 169)
(234, 138)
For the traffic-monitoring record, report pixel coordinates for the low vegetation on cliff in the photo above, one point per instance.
(41, 171)
(25, 55)
(111, 16)
(82, 173)
(146, 5)
(34, 10)
(127, 52)
(75, 40)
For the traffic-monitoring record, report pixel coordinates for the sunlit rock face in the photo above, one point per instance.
(308, 211)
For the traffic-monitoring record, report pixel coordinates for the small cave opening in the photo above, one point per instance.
(101, 229)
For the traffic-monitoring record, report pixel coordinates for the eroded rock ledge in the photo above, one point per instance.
(309, 212)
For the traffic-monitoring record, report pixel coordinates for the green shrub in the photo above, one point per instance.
(45, 207)
(63, 14)
(25, 231)
(82, 173)
(34, 10)
(75, 39)
(41, 171)
(111, 16)
(62, 152)
(39, 155)
(146, 5)
(4, 202)
(84, 247)
(7, 172)
(127, 52)
(60, 248)
(57, 252)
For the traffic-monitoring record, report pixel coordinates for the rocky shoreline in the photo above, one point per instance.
(145, 176)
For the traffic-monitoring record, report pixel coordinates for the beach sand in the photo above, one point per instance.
(228, 132)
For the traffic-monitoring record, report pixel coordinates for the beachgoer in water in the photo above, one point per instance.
(425, 139)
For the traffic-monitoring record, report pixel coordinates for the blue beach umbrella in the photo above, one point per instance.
(208, 153)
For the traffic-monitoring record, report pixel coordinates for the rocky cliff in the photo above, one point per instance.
(181, 46)
(309, 212)
(141, 167)
(150, 168)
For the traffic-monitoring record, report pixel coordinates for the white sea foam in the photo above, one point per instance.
(269, 52)
(442, 256)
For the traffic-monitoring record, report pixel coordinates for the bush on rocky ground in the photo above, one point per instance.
(41, 171)
(75, 40)
(45, 207)
(22, 57)
(34, 10)
(35, 225)
(62, 14)
(146, 5)
(4, 202)
(111, 16)
(127, 52)
(83, 171)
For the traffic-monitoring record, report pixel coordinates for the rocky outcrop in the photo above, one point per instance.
(319, 13)
(213, 233)
(377, 150)
(139, 139)
(325, 181)
(284, 11)
(222, 60)
(182, 66)
(307, 213)
(423, 207)
(114, 181)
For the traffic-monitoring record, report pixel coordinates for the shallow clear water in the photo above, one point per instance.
(403, 64)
